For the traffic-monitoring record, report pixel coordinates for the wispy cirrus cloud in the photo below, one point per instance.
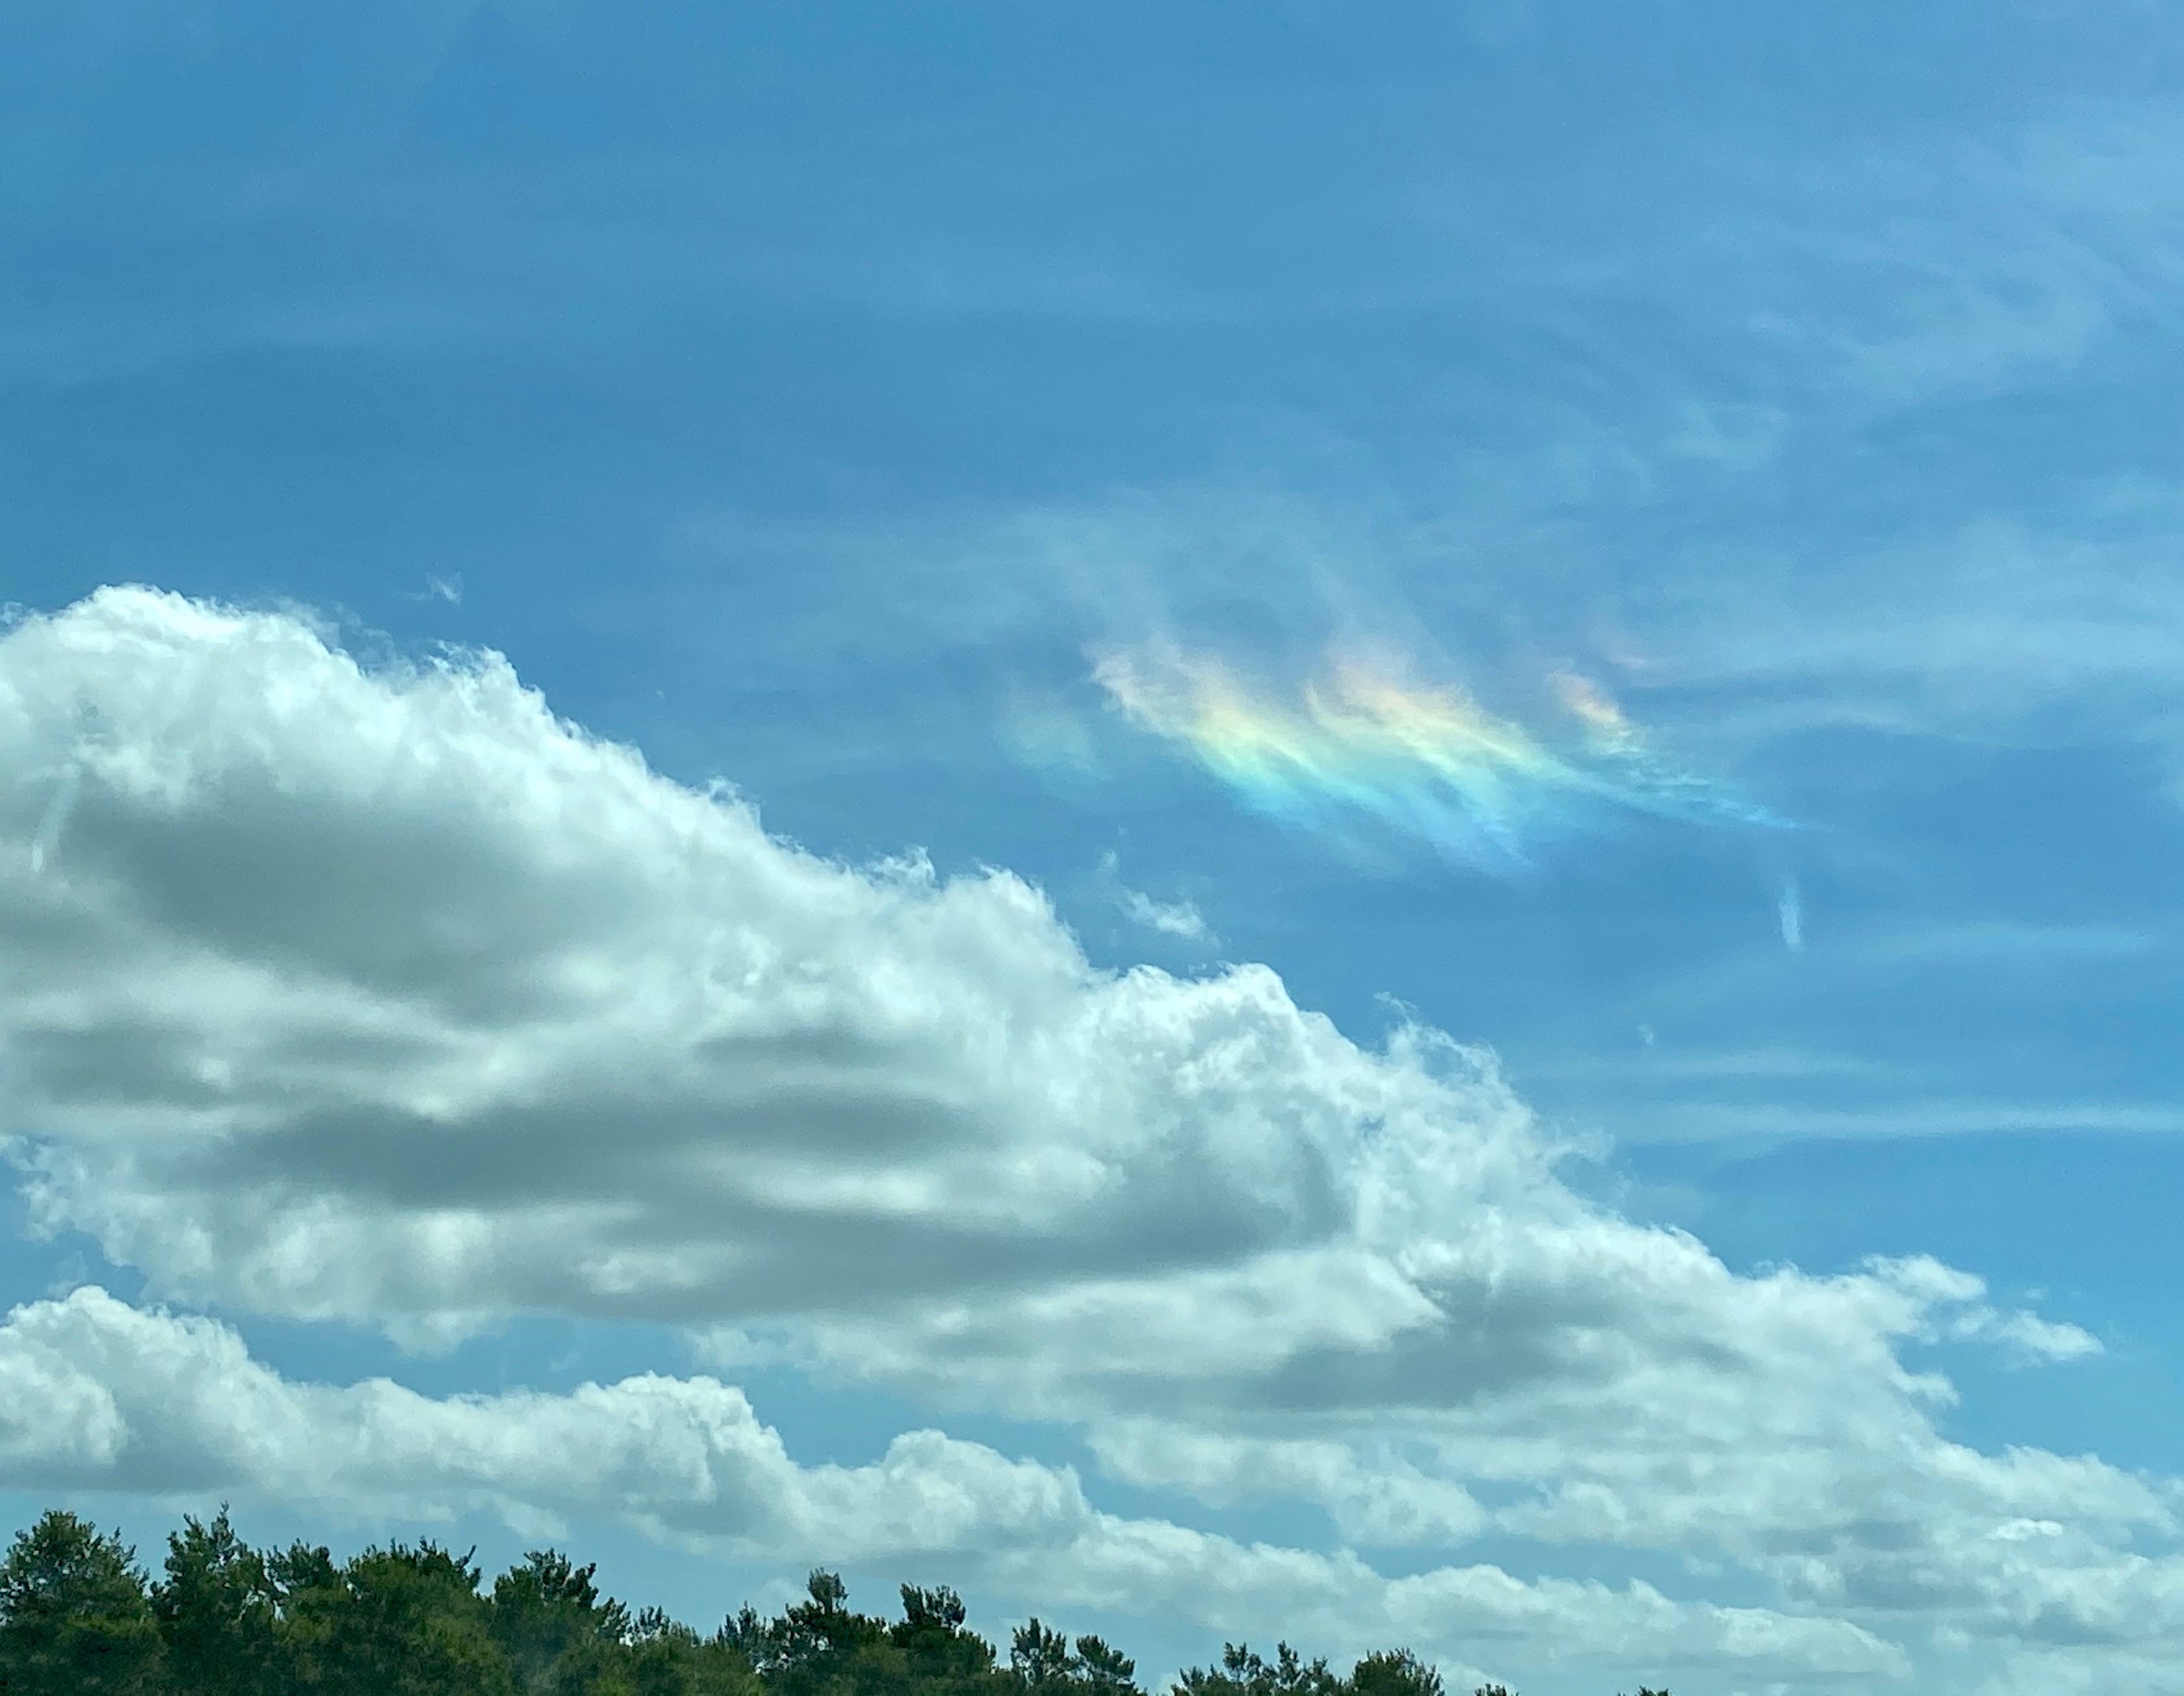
(1363, 752)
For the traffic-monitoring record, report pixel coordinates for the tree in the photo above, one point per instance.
(560, 1638)
(666, 1658)
(1104, 1671)
(409, 1621)
(78, 1618)
(1395, 1673)
(1042, 1659)
(940, 1655)
(74, 1619)
(308, 1600)
(1242, 1673)
(217, 1609)
(1039, 1657)
(818, 1645)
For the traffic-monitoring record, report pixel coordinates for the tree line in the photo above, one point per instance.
(78, 1616)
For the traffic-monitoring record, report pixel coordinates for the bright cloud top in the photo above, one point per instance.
(1362, 752)
(384, 995)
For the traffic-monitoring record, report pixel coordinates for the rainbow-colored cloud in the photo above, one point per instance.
(1361, 752)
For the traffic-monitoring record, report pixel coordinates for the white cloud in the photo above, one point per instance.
(386, 997)
(175, 1405)
(1180, 919)
(394, 999)
(105, 1396)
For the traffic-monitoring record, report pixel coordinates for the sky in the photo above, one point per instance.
(1349, 823)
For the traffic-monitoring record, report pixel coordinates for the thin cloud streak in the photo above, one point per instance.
(1362, 751)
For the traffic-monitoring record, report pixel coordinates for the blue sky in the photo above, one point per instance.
(1398, 763)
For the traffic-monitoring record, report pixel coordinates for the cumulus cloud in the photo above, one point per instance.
(110, 1397)
(331, 957)
(386, 997)
(106, 1396)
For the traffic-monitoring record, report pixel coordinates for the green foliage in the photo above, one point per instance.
(75, 1619)
(1045, 1661)
(940, 1655)
(1395, 1672)
(78, 1617)
(818, 1647)
(666, 1658)
(218, 1610)
(560, 1638)
(309, 1599)
(1242, 1673)
(409, 1621)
